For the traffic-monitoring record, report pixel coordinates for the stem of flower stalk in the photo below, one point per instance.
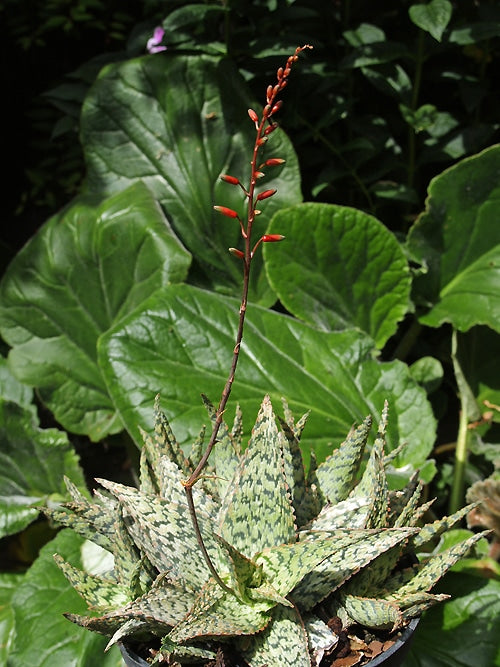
(264, 126)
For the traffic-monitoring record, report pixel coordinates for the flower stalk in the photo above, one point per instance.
(264, 126)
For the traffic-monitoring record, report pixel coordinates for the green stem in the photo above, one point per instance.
(457, 489)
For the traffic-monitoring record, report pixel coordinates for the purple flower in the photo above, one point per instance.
(154, 42)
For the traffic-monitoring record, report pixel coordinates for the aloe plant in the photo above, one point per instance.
(292, 550)
(237, 550)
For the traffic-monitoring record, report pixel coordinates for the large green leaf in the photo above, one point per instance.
(42, 637)
(9, 582)
(178, 122)
(462, 632)
(87, 267)
(339, 268)
(181, 343)
(33, 462)
(457, 239)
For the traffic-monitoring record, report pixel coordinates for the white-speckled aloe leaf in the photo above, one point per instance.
(373, 613)
(284, 566)
(371, 580)
(170, 481)
(160, 609)
(98, 593)
(171, 653)
(90, 520)
(148, 483)
(294, 469)
(438, 527)
(166, 441)
(403, 504)
(257, 512)
(224, 457)
(163, 530)
(125, 553)
(418, 608)
(283, 642)
(216, 612)
(373, 483)
(355, 550)
(351, 513)
(242, 570)
(337, 474)
(429, 573)
(321, 638)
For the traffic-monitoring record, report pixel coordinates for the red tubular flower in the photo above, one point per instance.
(230, 179)
(272, 238)
(228, 212)
(237, 253)
(265, 194)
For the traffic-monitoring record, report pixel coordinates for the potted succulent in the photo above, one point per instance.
(234, 555)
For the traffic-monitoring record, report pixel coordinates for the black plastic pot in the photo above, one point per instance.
(393, 657)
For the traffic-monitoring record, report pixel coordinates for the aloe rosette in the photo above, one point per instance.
(291, 549)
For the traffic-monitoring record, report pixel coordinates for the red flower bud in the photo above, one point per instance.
(277, 106)
(237, 253)
(265, 194)
(262, 140)
(226, 211)
(274, 162)
(230, 179)
(253, 116)
(269, 93)
(270, 128)
(272, 238)
(258, 174)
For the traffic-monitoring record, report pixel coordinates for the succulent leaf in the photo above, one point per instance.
(373, 483)
(257, 512)
(350, 513)
(432, 530)
(372, 613)
(355, 550)
(225, 458)
(321, 638)
(98, 593)
(164, 532)
(294, 471)
(426, 575)
(216, 612)
(166, 442)
(286, 565)
(337, 474)
(283, 642)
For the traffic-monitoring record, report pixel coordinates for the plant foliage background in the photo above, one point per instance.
(117, 283)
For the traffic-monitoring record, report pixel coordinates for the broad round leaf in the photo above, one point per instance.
(87, 267)
(33, 462)
(457, 240)
(180, 344)
(178, 123)
(339, 268)
(42, 636)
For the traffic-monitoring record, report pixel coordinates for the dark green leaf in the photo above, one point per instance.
(178, 123)
(43, 637)
(33, 462)
(339, 268)
(86, 268)
(182, 342)
(457, 239)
